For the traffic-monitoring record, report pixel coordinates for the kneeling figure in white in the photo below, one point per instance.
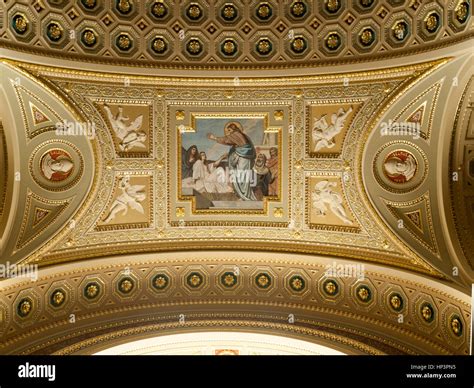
(209, 177)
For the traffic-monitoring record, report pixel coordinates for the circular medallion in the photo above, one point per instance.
(427, 312)
(194, 47)
(396, 302)
(333, 41)
(24, 307)
(194, 12)
(456, 326)
(462, 12)
(330, 287)
(124, 42)
(297, 283)
(229, 47)
(264, 46)
(159, 9)
(298, 45)
(91, 290)
(89, 37)
(400, 166)
(229, 279)
(400, 30)
(160, 281)
(264, 11)
(229, 12)
(124, 6)
(194, 280)
(58, 298)
(20, 23)
(366, 3)
(364, 294)
(126, 285)
(432, 22)
(263, 280)
(56, 165)
(332, 6)
(89, 4)
(298, 9)
(367, 37)
(159, 45)
(54, 31)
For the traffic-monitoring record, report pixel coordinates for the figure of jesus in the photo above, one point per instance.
(241, 158)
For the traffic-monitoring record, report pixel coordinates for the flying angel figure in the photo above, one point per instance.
(133, 139)
(324, 133)
(324, 195)
(129, 134)
(130, 198)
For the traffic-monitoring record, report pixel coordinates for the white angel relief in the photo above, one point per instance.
(127, 132)
(130, 198)
(323, 195)
(323, 133)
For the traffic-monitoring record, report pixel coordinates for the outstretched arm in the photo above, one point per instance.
(221, 140)
(341, 118)
(218, 161)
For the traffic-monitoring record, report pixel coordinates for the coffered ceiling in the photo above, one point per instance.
(101, 189)
(210, 34)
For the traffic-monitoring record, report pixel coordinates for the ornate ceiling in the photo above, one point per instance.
(158, 33)
(363, 159)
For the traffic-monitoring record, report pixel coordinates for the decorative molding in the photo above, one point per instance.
(310, 306)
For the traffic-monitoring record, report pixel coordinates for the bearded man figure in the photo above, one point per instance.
(241, 158)
(272, 165)
(264, 177)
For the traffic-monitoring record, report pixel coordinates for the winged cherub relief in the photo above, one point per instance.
(323, 133)
(131, 197)
(324, 195)
(127, 132)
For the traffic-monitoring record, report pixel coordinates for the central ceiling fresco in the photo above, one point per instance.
(155, 164)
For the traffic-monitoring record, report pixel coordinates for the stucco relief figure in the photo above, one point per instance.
(56, 165)
(272, 165)
(324, 196)
(133, 139)
(241, 158)
(209, 176)
(323, 133)
(400, 166)
(127, 132)
(131, 197)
